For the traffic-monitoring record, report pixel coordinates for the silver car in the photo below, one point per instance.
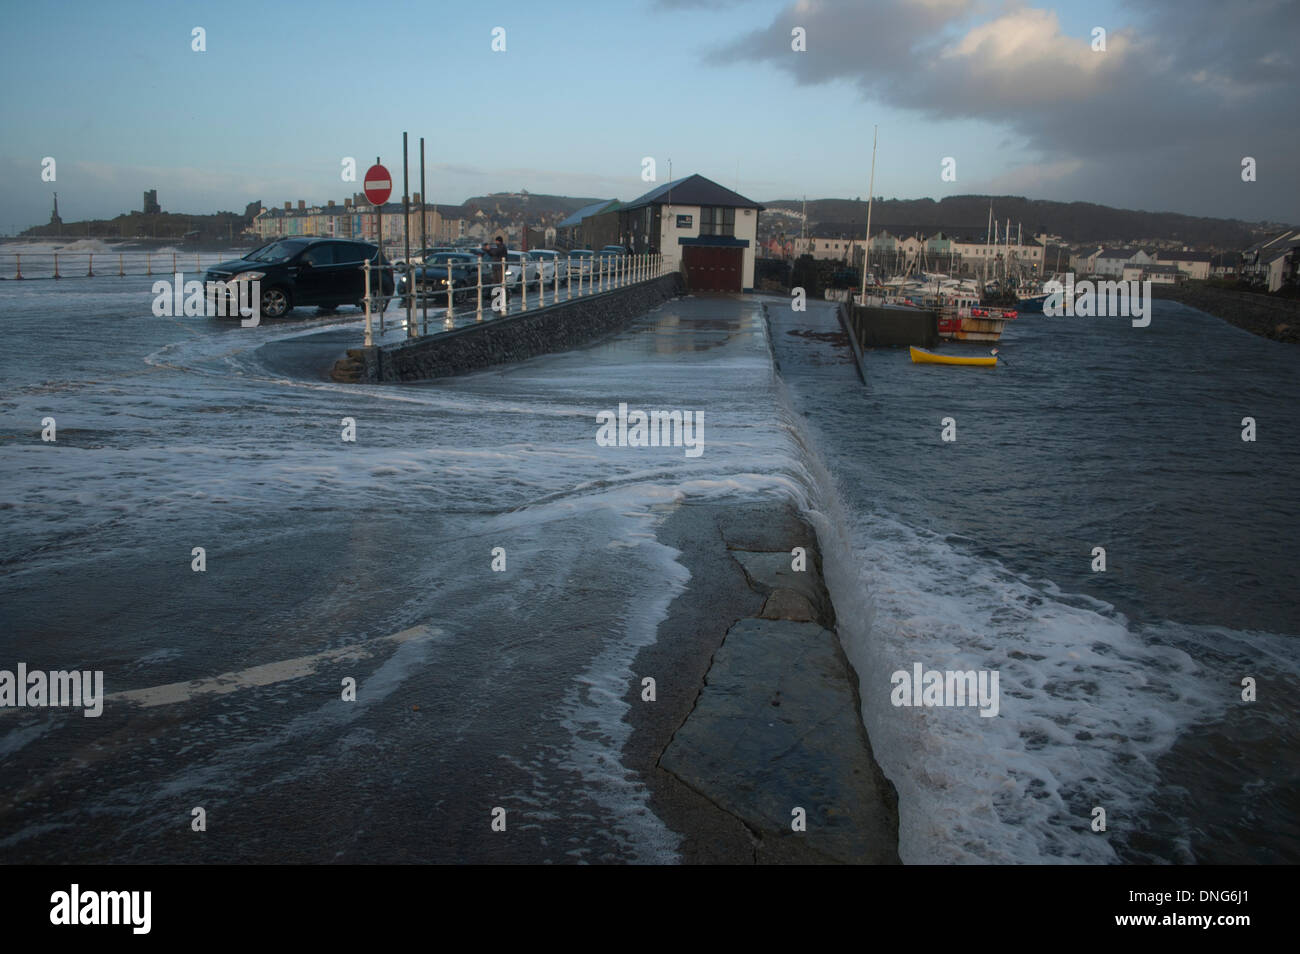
(550, 262)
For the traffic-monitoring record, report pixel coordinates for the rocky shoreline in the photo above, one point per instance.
(1263, 315)
(756, 724)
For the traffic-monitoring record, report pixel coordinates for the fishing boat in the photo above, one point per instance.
(963, 317)
(929, 357)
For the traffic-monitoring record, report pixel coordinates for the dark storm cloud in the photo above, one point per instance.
(1162, 119)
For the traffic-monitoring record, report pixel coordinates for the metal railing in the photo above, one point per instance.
(582, 276)
(42, 265)
(569, 277)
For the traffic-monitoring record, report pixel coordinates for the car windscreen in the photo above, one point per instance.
(442, 258)
(277, 252)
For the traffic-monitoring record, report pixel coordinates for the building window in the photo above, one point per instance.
(716, 220)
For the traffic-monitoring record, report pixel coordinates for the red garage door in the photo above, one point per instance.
(709, 269)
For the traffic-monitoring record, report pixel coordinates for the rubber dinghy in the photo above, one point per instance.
(928, 357)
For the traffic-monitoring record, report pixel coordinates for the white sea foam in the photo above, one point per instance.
(1089, 701)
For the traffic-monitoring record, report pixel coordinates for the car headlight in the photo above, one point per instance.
(248, 276)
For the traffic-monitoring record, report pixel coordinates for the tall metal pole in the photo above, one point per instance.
(871, 188)
(424, 236)
(379, 236)
(406, 241)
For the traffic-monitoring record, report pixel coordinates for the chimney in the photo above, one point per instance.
(288, 206)
(302, 205)
(331, 203)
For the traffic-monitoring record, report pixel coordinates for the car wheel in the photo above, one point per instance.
(276, 302)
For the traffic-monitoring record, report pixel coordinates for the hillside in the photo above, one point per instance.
(517, 206)
(1081, 222)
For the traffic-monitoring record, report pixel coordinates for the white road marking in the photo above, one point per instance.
(265, 675)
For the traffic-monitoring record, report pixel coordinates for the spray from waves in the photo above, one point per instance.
(1089, 702)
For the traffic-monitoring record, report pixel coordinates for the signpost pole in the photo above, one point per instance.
(406, 238)
(424, 235)
(378, 185)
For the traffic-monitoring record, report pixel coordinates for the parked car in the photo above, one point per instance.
(418, 258)
(582, 262)
(431, 277)
(550, 262)
(606, 260)
(297, 272)
(519, 263)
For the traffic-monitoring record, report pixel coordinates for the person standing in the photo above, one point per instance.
(497, 252)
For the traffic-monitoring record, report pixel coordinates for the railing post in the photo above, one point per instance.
(451, 293)
(523, 288)
(600, 273)
(541, 285)
(370, 338)
(90, 265)
(18, 264)
(148, 263)
(121, 272)
(568, 274)
(556, 296)
(56, 265)
(173, 263)
(478, 315)
(197, 266)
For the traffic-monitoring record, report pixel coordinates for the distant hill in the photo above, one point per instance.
(514, 206)
(215, 227)
(1076, 222)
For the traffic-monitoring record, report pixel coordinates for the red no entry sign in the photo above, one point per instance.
(378, 184)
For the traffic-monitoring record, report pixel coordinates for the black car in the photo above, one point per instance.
(431, 277)
(307, 271)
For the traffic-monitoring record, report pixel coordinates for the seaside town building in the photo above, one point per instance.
(355, 218)
(1111, 261)
(703, 228)
(1274, 262)
(939, 251)
(1156, 274)
(574, 231)
(1193, 265)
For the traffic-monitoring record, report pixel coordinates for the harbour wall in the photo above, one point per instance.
(878, 327)
(1263, 315)
(558, 327)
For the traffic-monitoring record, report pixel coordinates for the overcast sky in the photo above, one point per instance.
(584, 92)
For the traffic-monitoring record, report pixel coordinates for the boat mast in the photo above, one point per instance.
(988, 232)
(803, 228)
(871, 188)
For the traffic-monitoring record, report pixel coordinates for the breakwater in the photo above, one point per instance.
(554, 328)
(1263, 315)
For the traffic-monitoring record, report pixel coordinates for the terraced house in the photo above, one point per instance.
(1274, 262)
(355, 218)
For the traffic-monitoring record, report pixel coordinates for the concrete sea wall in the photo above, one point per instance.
(497, 341)
(879, 327)
(1263, 315)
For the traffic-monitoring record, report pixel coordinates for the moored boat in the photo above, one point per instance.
(929, 357)
(963, 317)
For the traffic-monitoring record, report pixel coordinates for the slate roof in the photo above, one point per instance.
(693, 190)
(595, 208)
